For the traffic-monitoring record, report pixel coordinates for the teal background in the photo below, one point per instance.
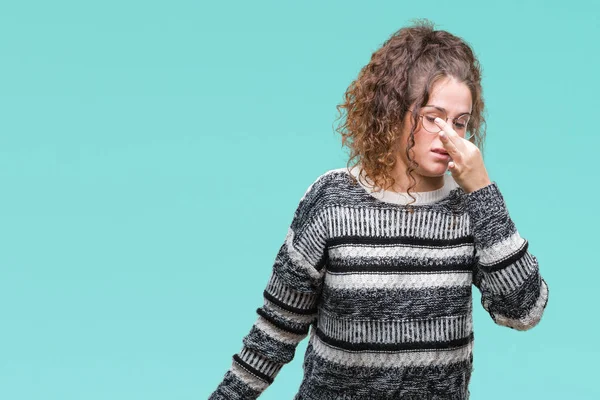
(152, 155)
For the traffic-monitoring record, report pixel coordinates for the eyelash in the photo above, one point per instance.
(459, 125)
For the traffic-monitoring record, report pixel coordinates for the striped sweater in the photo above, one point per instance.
(386, 288)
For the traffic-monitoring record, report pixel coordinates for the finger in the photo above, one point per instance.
(449, 145)
(450, 133)
(446, 127)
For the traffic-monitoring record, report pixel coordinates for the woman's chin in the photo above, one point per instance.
(434, 171)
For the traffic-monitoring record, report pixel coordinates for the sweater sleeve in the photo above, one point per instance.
(289, 304)
(512, 289)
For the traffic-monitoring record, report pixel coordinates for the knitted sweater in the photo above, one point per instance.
(387, 292)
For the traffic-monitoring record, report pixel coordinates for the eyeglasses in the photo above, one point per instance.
(430, 113)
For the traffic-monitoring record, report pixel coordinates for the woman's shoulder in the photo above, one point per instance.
(327, 186)
(330, 178)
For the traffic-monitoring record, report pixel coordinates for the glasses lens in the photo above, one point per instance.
(429, 116)
(431, 113)
(460, 125)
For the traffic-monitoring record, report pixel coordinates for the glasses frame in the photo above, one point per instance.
(468, 136)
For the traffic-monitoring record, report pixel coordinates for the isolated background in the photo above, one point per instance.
(152, 155)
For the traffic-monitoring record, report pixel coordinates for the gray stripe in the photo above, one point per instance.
(389, 359)
(275, 334)
(282, 292)
(511, 278)
(397, 303)
(383, 222)
(299, 318)
(532, 318)
(259, 362)
(301, 257)
(325, 379)
(439, 329)
(278, 351)
(295, 272)
(255, 384)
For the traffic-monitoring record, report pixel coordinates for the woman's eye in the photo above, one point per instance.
(430, 118)
(460, 126)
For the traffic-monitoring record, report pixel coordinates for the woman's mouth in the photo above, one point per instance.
(441, 156)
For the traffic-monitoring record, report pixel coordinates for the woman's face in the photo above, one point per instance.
(455, 98)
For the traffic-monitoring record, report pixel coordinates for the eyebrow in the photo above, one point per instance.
(444, 110)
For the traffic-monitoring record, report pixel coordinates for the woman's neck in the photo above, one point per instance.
(423, 183)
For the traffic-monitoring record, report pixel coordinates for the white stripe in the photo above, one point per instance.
(389, 222)
(329, 221)
(249, 379)
(345, 251)
(390, 359)
(402, 223)
(445, 226)
(439, 226)
(434, 225)
(276, 333)
(412, 218)
(398, 280)
(501, 250)
(322, 229)
(335, 220)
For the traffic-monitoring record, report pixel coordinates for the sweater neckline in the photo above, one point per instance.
(403, 198)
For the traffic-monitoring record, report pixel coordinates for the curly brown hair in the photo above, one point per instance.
(401, 73)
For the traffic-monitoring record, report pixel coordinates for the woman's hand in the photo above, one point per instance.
(467, 166)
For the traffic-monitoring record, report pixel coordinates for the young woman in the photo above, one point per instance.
(381, 257)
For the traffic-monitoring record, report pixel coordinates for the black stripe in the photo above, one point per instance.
(323, 260)
(285, 306)
(399, 240)
(395, 346)
(396, 303)
(252, 370)
(505, 263)
(520, 302)
(400, 266)
(278, 324)
(279, 352)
